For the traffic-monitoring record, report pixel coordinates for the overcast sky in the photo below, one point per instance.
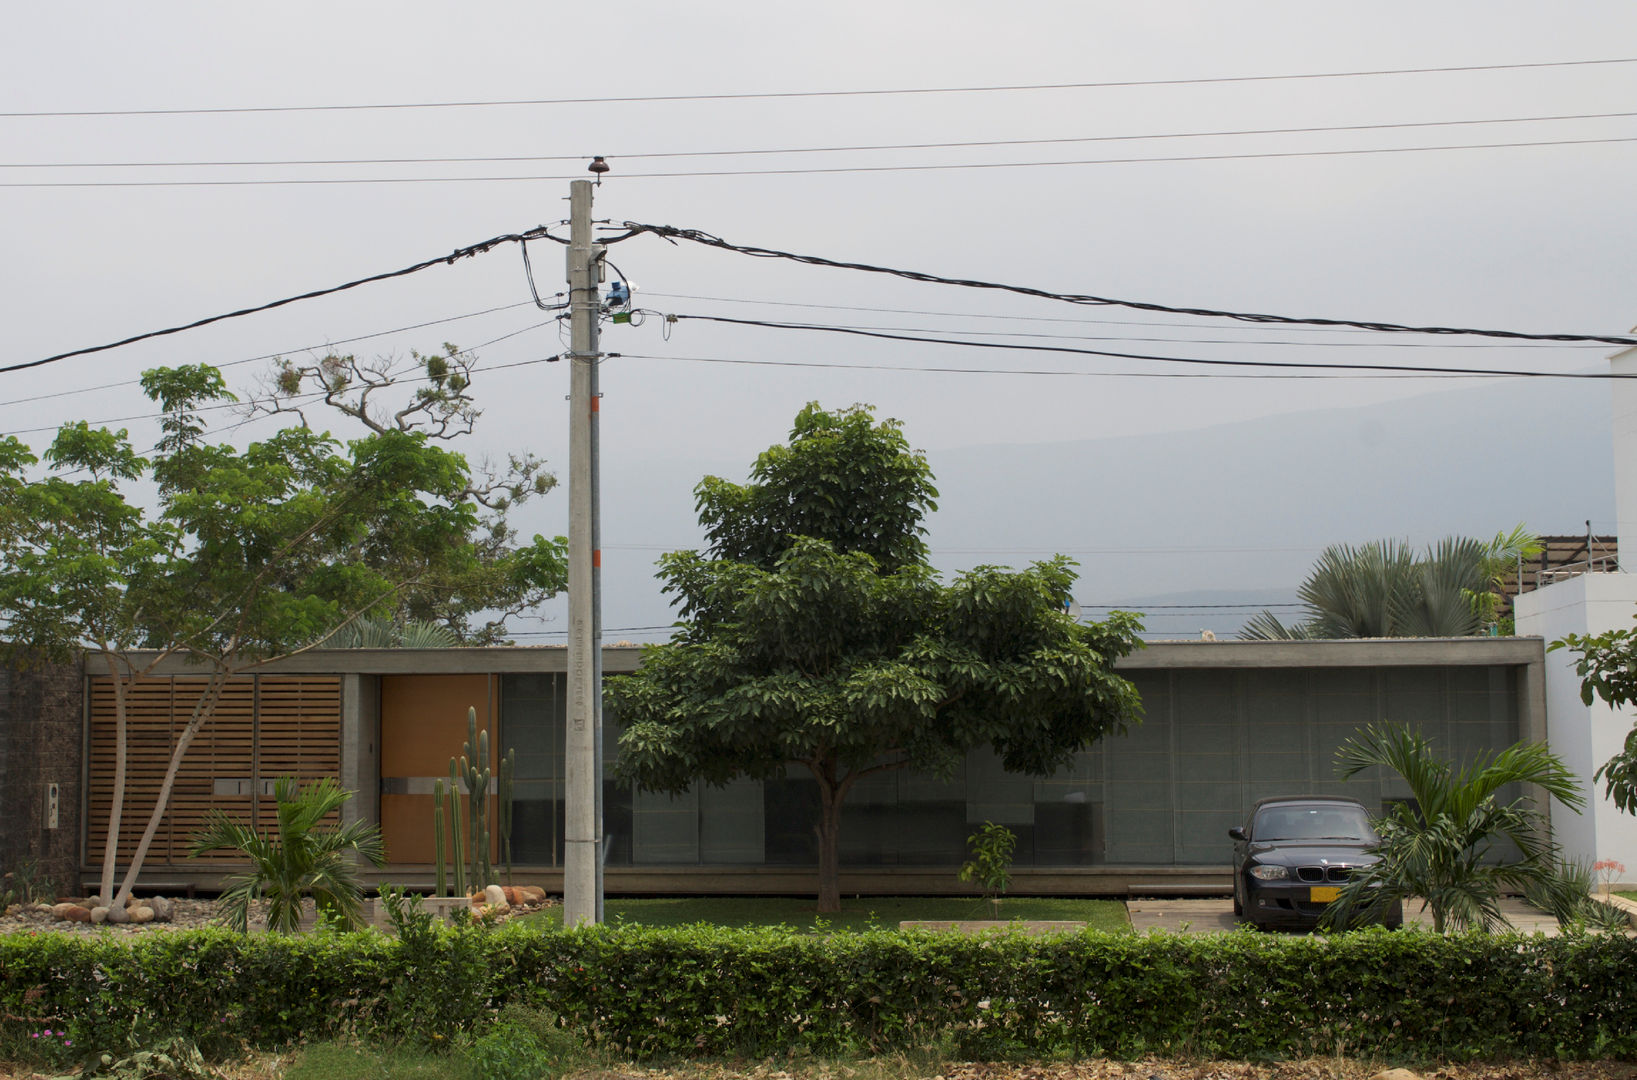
(1537, 238)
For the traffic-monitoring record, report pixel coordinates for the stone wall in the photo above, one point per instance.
(42, 709)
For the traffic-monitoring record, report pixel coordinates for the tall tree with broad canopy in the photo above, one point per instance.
(229, 558)
(815, 636)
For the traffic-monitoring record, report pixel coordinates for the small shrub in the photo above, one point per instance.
(991, 863)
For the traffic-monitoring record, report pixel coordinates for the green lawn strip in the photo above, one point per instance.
(1624, 893)
(866, 913)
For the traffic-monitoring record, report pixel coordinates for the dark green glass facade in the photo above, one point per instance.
(1213, 742)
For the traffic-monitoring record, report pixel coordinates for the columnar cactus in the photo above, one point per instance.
(454, 831)
(437, 837)
(508, 767)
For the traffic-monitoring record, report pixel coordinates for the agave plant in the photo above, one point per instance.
(1446, 846)
(302, 858)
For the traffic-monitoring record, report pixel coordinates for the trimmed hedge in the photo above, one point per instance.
(703, 990)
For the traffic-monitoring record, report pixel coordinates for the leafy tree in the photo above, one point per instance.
(1608, 669)
(815, 636)
(431, 394)
(1384, 589)
(301, 858)
(246, 555)
(1444, 847)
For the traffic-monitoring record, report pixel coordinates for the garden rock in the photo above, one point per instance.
(495, 897)
(1396, 1074)
(143, 914)
(71, 913)
(117, 914)
(99, 914)
(163, 909)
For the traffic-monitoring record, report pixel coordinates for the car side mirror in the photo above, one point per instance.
(1238, 833)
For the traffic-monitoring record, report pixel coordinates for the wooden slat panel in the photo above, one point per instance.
(300, 735)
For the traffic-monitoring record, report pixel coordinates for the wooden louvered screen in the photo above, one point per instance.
(263, 728)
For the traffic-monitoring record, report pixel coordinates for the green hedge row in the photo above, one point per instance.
(653, 992)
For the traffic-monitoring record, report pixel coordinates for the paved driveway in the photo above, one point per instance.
(1215, 915)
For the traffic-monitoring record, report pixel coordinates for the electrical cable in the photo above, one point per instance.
(305, 398)
(1117, 322)
(1149, 323)
(328, 346)
(1015, 346)
(471, 251)
(672, 233)
(858, 148)
(778, 95)
(938, 370)
(812, 171)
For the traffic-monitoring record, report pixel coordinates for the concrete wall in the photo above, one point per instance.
(42, 710)
(1584, 736)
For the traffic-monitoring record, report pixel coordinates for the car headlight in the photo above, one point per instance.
(1270, 873)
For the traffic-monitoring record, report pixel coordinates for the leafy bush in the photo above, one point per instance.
(711, 991)
(991, 863)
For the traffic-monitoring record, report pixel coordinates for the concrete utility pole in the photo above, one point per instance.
(582, 856)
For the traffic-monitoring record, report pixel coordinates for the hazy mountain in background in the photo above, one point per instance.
(1223, 515)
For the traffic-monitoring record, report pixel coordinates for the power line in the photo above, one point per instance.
(922, 369)
(1153, 323)
(308, 398)
(473, 250)
(1098, 322)
(792, 94)
(1019, 347)
(670, 232)
(285, 352)
(857, 148)
(810, 171)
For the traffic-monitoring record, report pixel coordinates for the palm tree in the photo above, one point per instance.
(299, 860)
(368, 633)
(1383, 589)
(1443, 847)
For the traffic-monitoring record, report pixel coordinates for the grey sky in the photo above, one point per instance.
(1537, 238)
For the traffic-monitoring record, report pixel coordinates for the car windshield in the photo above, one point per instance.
(1313, 823)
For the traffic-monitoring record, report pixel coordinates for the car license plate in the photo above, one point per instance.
(1323, 894)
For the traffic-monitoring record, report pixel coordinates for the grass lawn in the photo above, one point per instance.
(865, 913)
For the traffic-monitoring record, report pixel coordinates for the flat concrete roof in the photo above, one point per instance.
(1155, 656)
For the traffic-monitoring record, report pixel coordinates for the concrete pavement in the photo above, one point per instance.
(1215, 915)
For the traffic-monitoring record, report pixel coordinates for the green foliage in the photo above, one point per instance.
(701, 991)
(524, 1044)
(171, 1059)
(246, 555)
(1567, 893)
(24, 883)
(991, 863)
(1607, 667)
(1384, 589)
(817, 638)
(1446, 848)
(368, 633)
(301, 858)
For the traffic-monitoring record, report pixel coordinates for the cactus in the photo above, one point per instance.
(454, 831)
(472, 770)
(508, 766)
(437, 837)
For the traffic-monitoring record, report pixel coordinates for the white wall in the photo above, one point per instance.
(1585, 736)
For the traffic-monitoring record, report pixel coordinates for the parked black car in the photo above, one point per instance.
(1292, 857)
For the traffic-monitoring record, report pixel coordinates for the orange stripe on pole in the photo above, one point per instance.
(596, 558)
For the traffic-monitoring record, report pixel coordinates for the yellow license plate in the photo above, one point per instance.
(1323, 894)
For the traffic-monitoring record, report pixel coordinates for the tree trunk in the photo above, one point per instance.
(829, 849)
(202, 712)
(116, 803)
